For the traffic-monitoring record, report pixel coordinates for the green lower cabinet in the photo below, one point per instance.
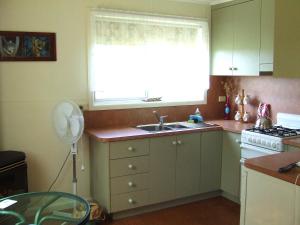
(135, 173)
(187, 165)
(292, 148)
(231, 155)
(211, 158)
(162, 169)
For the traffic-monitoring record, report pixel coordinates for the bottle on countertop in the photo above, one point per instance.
(197, 118)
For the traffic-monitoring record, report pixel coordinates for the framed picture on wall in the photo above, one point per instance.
(27, 46)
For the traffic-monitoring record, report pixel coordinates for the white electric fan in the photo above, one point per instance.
(69, 123)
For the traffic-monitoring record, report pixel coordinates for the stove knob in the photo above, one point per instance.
(273, 145)
(250, 139)
(258, 141)
(263, 142)
(254, 140)
(269, 144)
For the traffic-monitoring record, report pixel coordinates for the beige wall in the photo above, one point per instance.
(29, 90)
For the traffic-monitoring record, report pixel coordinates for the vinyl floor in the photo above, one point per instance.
(215, 211)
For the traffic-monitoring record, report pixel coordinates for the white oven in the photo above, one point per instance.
(251, 151)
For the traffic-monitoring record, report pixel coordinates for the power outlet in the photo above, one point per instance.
(222, 98)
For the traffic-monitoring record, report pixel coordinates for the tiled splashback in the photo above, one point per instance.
(132, 117)
(282, 93)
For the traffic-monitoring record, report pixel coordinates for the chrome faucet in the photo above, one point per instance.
(159, 118)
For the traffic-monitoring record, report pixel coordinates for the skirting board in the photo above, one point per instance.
(231, 197)
(164, 205)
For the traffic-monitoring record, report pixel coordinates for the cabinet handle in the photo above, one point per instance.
(234, 68)
(130, 201)
(238, 141)
(174, 142)
(130, 148)
(230, 68)
(130, 166)
(130, 184)
(179, 142)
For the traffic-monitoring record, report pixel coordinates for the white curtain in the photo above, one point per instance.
(133, 54)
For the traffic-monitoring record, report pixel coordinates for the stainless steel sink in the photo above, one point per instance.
(153, 128)
(172, 126)
(165, 127)
(176, 126)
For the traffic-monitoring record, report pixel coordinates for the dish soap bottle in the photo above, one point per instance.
(197, 116)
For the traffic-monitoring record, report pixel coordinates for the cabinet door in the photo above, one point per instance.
(231, 155)
(287, 38)
(222, 41)
(292, 148)
(188, 165)
(269, 200)
(162, 169)
(243, 194)
(246, 20)
(211, 157)
(267, 35)
(297, 210)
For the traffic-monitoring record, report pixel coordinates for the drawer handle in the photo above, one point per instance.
(130, 166)
(130, 148)
(174, 143)
(179, 142)
(130, 184)
(130, 201)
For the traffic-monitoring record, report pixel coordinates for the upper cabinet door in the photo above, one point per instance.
(236, 38)
(246, 17)
(222, 41)
(267, 35)
(287, 38)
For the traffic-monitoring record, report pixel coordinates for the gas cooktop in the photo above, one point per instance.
(277, 131)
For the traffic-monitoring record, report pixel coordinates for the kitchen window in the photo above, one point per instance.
(147, 60)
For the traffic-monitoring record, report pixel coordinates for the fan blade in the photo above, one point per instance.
(75, 126)
(67, 109)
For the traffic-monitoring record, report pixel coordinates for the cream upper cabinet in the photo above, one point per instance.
(236, 38)
(287, 38)
(222, 41)
(267, 36)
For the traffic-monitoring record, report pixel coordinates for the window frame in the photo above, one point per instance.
(138, 103)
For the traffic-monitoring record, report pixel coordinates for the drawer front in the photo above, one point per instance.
(122, 167)
(129, 200)
(120, 185)
(129, 148)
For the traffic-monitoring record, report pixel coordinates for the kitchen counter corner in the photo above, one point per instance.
(271, 163)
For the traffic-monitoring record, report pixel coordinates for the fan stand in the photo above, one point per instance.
(74, 180)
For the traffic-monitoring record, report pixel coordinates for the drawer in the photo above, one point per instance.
(131, 183)
(131, 148)
(129, 200)
(127, 166)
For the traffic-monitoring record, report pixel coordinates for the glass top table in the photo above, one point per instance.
(44, 208)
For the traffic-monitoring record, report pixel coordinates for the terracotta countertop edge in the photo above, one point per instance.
(129, 133)
(270, 164)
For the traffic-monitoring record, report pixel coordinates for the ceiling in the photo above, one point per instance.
(210, 2)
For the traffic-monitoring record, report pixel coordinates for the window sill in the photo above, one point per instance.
(139, 104)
